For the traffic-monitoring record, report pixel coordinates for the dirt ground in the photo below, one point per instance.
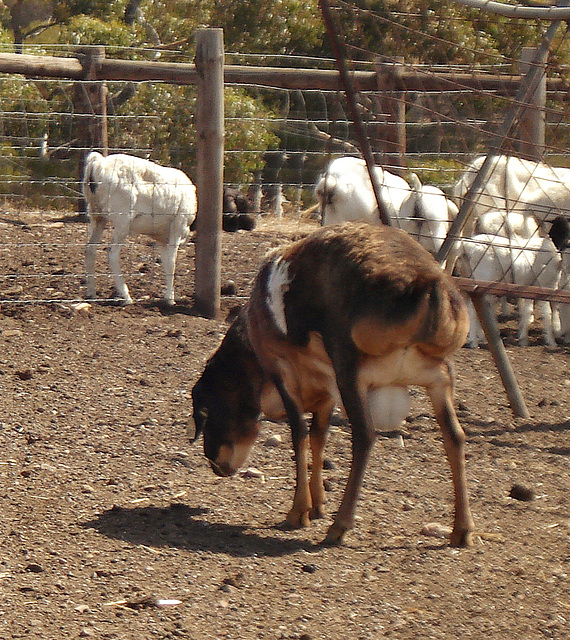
(114, 527)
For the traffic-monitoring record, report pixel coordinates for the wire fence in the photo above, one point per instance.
(278, 140)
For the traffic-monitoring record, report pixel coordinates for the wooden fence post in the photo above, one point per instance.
(210, 169)
(532, 123)
(90, 105)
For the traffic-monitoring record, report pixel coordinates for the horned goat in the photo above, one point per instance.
(136, 196)
(352, 313)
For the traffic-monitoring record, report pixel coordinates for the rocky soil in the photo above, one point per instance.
(114, 527)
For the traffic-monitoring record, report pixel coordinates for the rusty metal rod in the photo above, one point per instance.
(488, 321)
(350, 93)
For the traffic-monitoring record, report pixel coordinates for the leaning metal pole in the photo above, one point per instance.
(350, 93)
(480, 302)
(527, 88)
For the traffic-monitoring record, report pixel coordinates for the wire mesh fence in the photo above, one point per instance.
(279, 140)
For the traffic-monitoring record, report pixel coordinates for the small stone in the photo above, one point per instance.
(81, 608)
(25, 374)
(252, 472)
(12, 291)
(309, 568)
(34, 568)
(274, 440)
(436, 530)
(229, 288)
(519, 492)
(12, 333)
(167, 602)
(81, 308)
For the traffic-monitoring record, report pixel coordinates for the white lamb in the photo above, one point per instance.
(525, 261)
(427, 213)
(515, 184)
(136, 196)
(345, 194)
(506, 224)
(501, 223)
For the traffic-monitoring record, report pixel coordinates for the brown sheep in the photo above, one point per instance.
(353, 314)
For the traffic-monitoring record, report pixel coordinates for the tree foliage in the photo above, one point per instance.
(432, 32)
(421, 31)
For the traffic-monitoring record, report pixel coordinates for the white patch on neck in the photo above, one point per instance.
(277, 284)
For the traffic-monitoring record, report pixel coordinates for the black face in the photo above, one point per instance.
(208, 420)
(229, 428)
(227, 401)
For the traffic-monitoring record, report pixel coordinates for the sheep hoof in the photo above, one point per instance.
(334, 535)
(297, 519)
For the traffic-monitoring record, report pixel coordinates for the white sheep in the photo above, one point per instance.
(514, 184)
(345, 194)
(506, 224)
(429, 212)
(524, 261)
(136, 196)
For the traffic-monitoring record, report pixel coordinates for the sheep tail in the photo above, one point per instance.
(445, 323)
(88, 177)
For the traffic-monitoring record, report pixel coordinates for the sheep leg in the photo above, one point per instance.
(96, 228)
(363, 436)
(504, 305)
(555, 312)
(117, 241)
(441, 395)
(168, 259)
(475, 335)
(525, 318)
(547, 322)
(564, 311)
(318, 437)
(299, 515)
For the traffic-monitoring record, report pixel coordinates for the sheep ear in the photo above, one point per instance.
(195, 425)
(415, 182)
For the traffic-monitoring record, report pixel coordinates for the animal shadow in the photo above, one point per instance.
(184, 527)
